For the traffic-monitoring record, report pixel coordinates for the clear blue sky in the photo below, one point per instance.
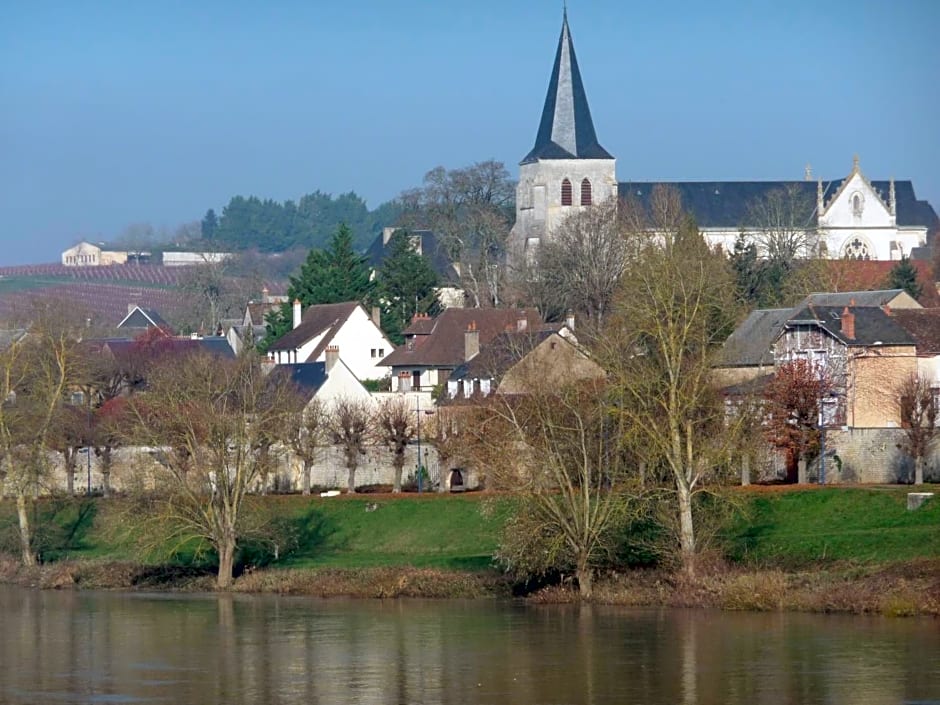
(114, 113)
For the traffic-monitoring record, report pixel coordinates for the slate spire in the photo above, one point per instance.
(566, 130)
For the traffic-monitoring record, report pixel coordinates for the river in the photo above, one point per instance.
(95, 647)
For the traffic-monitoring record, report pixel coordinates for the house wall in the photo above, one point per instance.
(871, 455)
(356, 340)
(876, 377)
(726, 376)
(341, 383)
(430, 377)
(552, 363)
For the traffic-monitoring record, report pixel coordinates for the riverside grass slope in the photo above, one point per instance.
(824, 549)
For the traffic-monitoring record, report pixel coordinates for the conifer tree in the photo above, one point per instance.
(329, 276)
(406, 285)
(904, 276)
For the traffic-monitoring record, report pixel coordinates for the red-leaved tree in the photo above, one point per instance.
(793, 399)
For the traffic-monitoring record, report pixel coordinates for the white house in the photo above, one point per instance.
(86, 254)
(325, 381)
(345, 326)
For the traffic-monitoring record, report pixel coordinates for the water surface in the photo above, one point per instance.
(79, 647)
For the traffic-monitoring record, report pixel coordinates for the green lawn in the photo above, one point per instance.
(869, 525)
(787, 529)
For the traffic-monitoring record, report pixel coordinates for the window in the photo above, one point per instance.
(585, 193)
(566, 193)
(374, 353)
(416, 380)
(381, 352)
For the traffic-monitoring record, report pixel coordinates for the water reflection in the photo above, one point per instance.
(68, 647)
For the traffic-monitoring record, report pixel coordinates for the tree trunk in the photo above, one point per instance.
(686, 529)
(69, 457)
(919, 470)
(351, 480)
(585, 576)
(399, 464)
(801, 474)
(26, 538)
(106, 471)
(226, 562)
(643, 473)
(746, 469)
(306, 479)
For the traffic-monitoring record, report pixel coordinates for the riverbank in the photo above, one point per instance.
(895, 590)
(854, 550)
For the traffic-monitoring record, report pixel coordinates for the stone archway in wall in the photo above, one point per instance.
(857, 247)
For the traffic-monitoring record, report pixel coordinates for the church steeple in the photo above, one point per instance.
(566, 130)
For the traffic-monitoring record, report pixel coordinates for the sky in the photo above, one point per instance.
(116, 113)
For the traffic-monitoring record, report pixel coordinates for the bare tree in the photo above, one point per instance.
(471, 211)
(583, 262)
(918, 407)
(783, 224)
(35, 373)
(305, 434)
(559, 450)
(350, 426)
(396, 428)
(674, 309)
(211, 417)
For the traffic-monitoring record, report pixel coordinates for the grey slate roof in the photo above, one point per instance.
(140, 317)
(725, 204)
(500, 354)
(307, 376)
(566, 130)
(882, 297)
(872, 325)
(750, 344)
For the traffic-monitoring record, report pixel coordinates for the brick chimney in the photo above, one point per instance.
(377, 316)
(265, 295)
(332, 357)
(471, 341)
(297, 317)
(848, 323)
(569, 320)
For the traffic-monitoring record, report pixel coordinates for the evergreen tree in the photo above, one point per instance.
(406, 285)
(209, 225)
(904, 276)
(329, 276)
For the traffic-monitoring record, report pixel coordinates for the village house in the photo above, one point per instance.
(515, 361)
(359, 337)
(434, 348)
(427, 244)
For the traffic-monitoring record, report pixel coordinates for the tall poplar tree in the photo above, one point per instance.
(329, 276)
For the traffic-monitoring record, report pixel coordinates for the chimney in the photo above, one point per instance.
(332, 356)
(887, 309)
(297, 316)
(471, 341)
(522, 323)
(130, 308)
(848, 323)
(569, 320)
(377, 316)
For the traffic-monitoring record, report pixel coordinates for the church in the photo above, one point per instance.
(567, 171)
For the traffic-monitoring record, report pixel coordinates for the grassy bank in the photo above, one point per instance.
(831, 549)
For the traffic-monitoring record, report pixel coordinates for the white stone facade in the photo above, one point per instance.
(539, 207)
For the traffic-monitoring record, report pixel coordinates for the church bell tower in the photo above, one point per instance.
(567, 170)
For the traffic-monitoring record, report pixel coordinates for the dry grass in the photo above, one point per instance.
(899, 590)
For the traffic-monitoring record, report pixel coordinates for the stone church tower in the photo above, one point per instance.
(567, 169)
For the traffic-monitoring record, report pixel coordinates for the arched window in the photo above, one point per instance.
(566, 193)
(585, 193)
